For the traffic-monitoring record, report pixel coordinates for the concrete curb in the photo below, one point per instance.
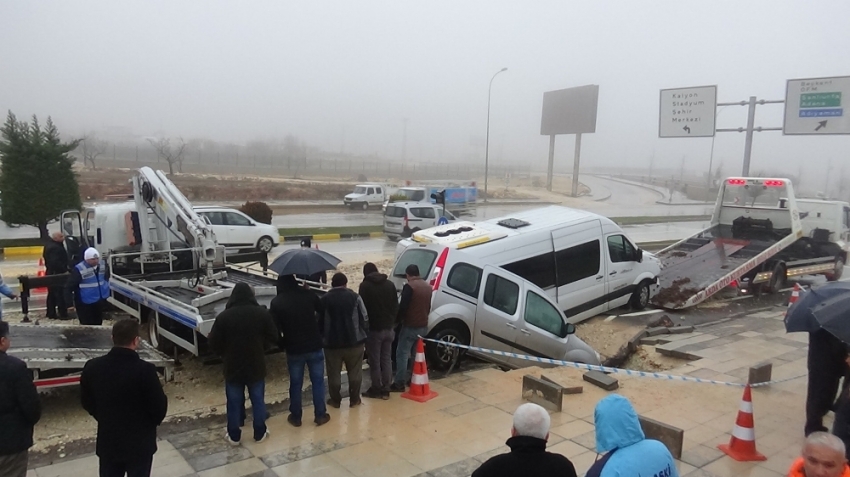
(33, 250)
(330, 237)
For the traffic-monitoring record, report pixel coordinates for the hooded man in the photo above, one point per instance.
(629, 452)
(240, 335)
(381, 300)
(296, 311)
(528, 456)
(89, 283)
(56, 263)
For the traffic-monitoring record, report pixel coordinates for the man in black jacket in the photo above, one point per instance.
(344, 328)
(56, 263)
(381, 300)
(124, 395)
(826, 367)
(20, 409)
(528, 456)
(240, 335)
(296, 312)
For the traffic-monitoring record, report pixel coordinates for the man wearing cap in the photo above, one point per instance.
(89, 285)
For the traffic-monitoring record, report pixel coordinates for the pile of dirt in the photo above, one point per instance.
(645, 358)
(675, 295)
(607, 338)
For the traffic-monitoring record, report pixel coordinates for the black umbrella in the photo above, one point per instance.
(303, 261)
(825, 307)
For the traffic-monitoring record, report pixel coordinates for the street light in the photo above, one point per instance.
(487, 143)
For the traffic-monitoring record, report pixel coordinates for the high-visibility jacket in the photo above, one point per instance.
(93, 284)
(797, 469)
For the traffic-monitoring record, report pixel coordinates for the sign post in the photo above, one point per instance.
(817, 106)
(568, 111)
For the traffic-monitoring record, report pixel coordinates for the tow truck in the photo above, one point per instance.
(758, 238)
(169, 272)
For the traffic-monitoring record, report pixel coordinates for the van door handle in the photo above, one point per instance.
(600, 277)
(510, 326)
(612, 273)
(525, 332)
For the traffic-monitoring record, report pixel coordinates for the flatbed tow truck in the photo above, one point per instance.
(172, 275)
(756, 241)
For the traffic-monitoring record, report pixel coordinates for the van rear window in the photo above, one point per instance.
(393, 211)
(422, 258)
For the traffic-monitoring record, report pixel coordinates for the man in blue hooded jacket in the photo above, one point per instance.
(629, 452)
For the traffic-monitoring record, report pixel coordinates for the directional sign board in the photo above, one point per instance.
(687, 112)
(817, 106)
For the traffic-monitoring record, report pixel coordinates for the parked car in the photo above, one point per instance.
(234, 229)
(584, 261)
(486, 306)
(401, 219)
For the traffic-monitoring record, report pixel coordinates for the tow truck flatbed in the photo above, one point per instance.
(56, 354)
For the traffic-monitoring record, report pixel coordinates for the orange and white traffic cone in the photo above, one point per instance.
(420, 390)
(41, 272)
(795, 294)
(742, 445)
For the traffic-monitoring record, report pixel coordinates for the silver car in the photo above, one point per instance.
(402, 219)
(488, 307)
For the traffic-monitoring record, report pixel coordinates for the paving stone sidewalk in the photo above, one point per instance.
(470, 420)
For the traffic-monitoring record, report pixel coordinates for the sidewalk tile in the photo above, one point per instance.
(582, 462)
(572, 429)
(303, 451)
(701, 455)
(82, 466)
(232, 455)
(319, 465)
(464, 467)
(569, 449)
(236, 469)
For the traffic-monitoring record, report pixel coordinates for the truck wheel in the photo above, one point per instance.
(839, 270)
(640, 297)
(365, 205)
(441, 356)
(154, 338)
(265, 244)
(777, 279)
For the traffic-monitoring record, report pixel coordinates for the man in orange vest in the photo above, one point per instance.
(823, 456)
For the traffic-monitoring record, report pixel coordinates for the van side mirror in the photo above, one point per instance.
(569, 329)
(638, 255)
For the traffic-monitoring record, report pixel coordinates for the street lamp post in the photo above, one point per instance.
(487, 141)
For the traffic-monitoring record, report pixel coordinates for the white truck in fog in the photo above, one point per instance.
(366, 195)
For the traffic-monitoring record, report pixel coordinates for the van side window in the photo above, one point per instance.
(501, 294)
(423, 259)
(465, 278)
(577, 263)
(216, 218)
(370, 191)
(620, 249)
(541, 313)
(423, 212)
(378, 190)
(539, 270)
(236, 219)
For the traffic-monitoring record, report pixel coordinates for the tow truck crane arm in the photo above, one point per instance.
(172, 210)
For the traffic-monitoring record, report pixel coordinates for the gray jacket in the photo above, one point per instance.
(345, 323)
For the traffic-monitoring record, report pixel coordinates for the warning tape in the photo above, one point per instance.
(606, 369)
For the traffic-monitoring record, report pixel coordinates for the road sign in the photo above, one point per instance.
(817, 106)
(687, 112)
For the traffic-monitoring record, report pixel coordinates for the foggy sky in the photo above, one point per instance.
(344, 75)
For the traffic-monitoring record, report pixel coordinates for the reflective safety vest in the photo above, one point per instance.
(93, 286)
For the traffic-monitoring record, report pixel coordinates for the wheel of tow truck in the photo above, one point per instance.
(839, 270)
(365, 206)
(265, 244)
(153, 337)
(778, 279)
(640, 297)
(439, 356)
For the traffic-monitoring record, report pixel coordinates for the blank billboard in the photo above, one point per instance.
(570, 111)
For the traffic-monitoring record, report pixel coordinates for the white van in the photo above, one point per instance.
(584, 261)
(366, 195)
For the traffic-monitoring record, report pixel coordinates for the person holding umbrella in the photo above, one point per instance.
(822, 313)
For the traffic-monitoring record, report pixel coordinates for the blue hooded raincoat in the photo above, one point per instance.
(618, 432)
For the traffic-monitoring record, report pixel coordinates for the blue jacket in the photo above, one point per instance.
(4, 290)
(94, 284)
(631, 454)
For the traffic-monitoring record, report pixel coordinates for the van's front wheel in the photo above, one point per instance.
(640, 297)
(441, 356)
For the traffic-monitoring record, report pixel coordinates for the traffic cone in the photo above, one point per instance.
(41, 273)
(420, 390)
(742, 445)
(795, 294)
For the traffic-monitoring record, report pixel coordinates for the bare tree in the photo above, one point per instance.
(92, 148)
(172, 155)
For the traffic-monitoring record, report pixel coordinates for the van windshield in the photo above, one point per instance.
(359, 190)
(422, 258)
(414, 195)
